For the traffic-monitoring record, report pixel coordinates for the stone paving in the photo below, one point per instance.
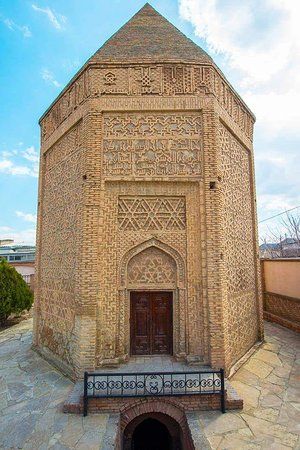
(153, 364)
(269, 384)
(32, 393)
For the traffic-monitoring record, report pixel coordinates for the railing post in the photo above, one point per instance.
(223, 406)
(85, 397)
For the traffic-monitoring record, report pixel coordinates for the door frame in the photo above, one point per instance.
(150, 291)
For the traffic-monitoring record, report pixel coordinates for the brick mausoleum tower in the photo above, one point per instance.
(147, 237)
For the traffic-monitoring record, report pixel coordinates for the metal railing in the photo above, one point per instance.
(157, 384)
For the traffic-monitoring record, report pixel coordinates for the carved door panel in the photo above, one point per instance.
(140, 323)
(151, 323)
(161, 339)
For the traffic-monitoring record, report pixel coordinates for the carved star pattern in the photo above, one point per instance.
(151, 213)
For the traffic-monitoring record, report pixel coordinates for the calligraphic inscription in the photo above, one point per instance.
(142, 145)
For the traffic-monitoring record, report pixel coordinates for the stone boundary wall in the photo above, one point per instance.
(281, 276)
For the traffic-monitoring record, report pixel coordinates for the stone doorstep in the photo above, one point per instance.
(74, 401)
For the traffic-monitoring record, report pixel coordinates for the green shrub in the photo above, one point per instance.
(15, 295)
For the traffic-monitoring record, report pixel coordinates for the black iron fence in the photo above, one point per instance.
(157, 384)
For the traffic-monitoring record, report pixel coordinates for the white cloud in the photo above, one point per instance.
(24, 29)
(49, 78)
(9, 167)
(257, 43)
(277, 113)
(26, 216)
(269, 206)
(270, 203)
(26, 236)
(5, 229)
(260, 41)
(56, 20)
(10, 162)
(31, 154)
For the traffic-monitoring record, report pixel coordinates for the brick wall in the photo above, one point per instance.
(148, 133)
(280, 277)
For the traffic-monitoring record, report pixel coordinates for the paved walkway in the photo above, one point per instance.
(269, 384)
(32, 393)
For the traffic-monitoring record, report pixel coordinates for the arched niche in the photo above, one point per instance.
(154, 251)
(152, 268)
(149, 266)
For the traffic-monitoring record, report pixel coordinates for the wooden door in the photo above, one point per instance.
(151, 323)
(140, 318)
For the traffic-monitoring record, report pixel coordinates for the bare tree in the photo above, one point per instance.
(283, 241)
(291, 222)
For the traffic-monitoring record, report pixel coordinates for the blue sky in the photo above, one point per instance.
(43, 44)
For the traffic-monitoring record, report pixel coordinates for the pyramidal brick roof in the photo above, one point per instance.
(148, 36)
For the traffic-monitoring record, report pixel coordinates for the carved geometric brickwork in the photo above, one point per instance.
(238, 243)
(282, 306)
(241, 323)
(64, 146)
(152, 267)
(62, 203)
(70, 100)
(110, 81)
(143, 248)
(163, 79)
(152, 144)
(151, 213)
(177, 80)
(238, 215)
(146, 80)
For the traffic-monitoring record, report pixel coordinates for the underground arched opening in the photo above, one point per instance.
(154, 431)
(150, 434)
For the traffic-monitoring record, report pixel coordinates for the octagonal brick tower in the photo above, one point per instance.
(147, 237)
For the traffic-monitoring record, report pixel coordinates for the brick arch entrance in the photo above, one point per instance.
(152, 430)
(166, 413)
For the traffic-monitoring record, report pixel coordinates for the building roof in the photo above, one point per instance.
(17, 248)
(149, 36)
(288, 241)
(268, 246)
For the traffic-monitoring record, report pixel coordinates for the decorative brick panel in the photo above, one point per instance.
(151, 213)
(241, 318)
(141, 145)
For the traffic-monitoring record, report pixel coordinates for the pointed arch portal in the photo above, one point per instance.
(152, 300)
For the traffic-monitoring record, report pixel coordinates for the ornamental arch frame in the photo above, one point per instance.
(178, 290)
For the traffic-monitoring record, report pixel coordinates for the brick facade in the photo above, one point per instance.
(146, 160)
